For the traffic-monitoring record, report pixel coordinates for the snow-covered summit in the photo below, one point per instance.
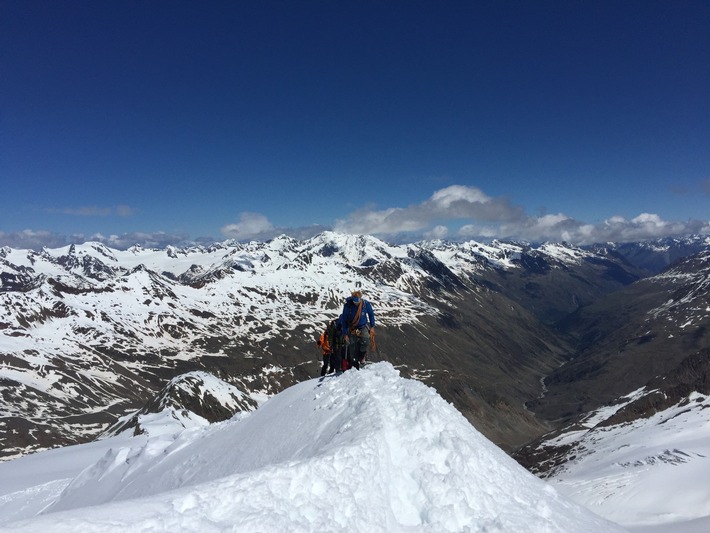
(367, 451)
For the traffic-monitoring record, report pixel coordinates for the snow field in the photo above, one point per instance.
(366, 451)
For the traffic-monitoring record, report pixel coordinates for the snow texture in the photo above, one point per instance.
(649, 475)
(365, 451)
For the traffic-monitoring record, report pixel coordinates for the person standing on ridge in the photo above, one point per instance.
(357, 323)
(324, 344)
(337, 345)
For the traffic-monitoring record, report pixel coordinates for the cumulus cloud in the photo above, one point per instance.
(305, 232)
(437, 232)
(32, 240)
(560, 227)
(450, 203)
(250, 226)
(481, 216)
(457, 212)
(255, 226)
(646, 226)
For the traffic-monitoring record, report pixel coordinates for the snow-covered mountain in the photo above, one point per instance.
(366, 451)
(195, 398)
(643, 461)
(88, 334)
(655, 256)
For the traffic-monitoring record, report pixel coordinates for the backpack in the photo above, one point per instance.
(323, 343)
(332, 332)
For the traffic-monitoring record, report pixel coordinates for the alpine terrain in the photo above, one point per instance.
(542, 348)
(90, 334)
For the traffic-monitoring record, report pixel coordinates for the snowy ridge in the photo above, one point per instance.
(367, 451)
(188, 400)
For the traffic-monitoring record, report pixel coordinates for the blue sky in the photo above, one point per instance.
(159, 122)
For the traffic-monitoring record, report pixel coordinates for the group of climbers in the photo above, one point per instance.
(346, 340)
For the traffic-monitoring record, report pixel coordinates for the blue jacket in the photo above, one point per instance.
(349, 312)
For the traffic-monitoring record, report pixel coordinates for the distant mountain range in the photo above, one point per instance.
(655, 256)
(523, 339)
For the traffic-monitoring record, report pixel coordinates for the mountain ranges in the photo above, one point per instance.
(523, 339)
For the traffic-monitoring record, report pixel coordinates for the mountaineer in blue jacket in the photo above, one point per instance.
(357, 323)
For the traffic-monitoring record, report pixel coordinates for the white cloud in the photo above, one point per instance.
(36, 240)
(250, 226)
(438, 232)
(475, 214)
(451, 203)
(551, 221)
(645, 226)
(156, 239)
(472, 231)
(486, 217)
(560, 227)
(31, 239)
(255, 226)
(458, 193)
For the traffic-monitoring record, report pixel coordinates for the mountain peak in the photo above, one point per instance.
(194, 398)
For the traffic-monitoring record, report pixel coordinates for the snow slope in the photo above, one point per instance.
(365, 451)
(650, 475)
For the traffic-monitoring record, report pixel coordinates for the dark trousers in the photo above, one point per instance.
(336, 359)
(332, 362)
(326, 362)
(357, 348)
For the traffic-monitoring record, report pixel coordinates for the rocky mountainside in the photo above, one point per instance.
(630, 337)
(641, 350)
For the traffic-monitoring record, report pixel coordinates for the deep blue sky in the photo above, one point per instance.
(172, 120)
